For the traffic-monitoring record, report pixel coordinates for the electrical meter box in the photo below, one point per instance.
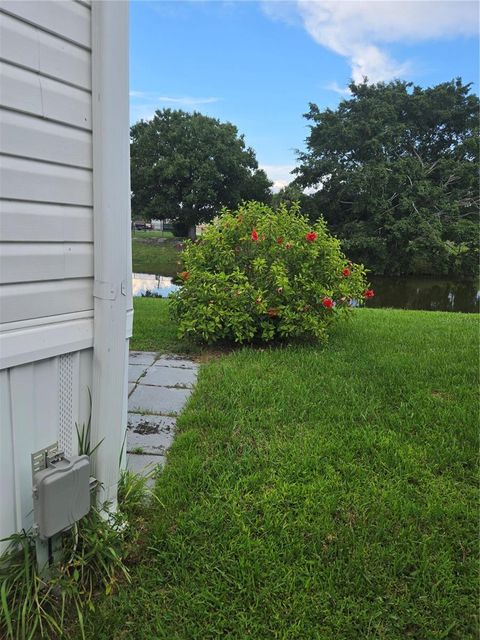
(61, 492)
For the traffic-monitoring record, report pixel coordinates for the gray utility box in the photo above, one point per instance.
(61, 494)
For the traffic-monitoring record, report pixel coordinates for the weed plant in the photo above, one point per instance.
(38, 604)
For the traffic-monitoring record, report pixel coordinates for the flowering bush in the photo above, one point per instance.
(263, 274)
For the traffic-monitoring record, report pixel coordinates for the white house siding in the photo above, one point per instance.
(46, 262)
(39, 404)
(46, 233)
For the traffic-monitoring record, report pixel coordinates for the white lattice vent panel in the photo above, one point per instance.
(65, 403)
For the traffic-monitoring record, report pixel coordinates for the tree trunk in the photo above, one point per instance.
(192, 232)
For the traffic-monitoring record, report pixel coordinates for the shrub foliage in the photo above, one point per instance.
(259, 274)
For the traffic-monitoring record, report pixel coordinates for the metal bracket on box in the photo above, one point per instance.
(42, 458)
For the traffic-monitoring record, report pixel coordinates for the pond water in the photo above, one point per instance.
(431, 294)
(147, 284)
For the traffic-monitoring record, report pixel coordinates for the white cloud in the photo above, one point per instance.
(357, 29)
(186, 101)
(139, 94)
(279, 174)
(151, 96)
(283, 10)
(342, 91)
(143, 104)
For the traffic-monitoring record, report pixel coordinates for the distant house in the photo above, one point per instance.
(65, 274)
(161, 225)
(157, 225)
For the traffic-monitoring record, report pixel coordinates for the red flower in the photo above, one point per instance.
(346, 272)
(327, 303)
(287, 245)
(185, 275)
(311, 236)
(254, 235)
(280, 240)
(368, 293)
(273, 313)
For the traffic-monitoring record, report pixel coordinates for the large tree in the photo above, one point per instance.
(396, 172)
(186, 166)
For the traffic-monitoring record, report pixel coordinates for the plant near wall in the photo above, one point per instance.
(84, 433)
(134, 493)
(260, 274)
(94, 555)
(36, 606)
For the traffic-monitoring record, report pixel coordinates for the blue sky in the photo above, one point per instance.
(259, 64)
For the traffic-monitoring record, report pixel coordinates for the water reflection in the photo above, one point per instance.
(400, 293)
(147, 284)
(429, 294)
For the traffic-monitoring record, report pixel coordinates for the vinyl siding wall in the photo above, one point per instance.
(46, 232)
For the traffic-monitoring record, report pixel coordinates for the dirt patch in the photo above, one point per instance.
(440, 395)
(145, 427)
(211, 354)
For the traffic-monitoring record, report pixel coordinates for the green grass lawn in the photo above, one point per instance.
(161, 258)
(317, 493)
(153, 330)
(152, 234)
(152, 327)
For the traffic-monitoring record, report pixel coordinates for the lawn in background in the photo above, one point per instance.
(152, 234)
(317, 493)
(154, 255)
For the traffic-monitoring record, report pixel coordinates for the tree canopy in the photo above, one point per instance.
(396, 172)
(186, 166)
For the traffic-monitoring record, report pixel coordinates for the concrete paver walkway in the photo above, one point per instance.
(158, 389)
